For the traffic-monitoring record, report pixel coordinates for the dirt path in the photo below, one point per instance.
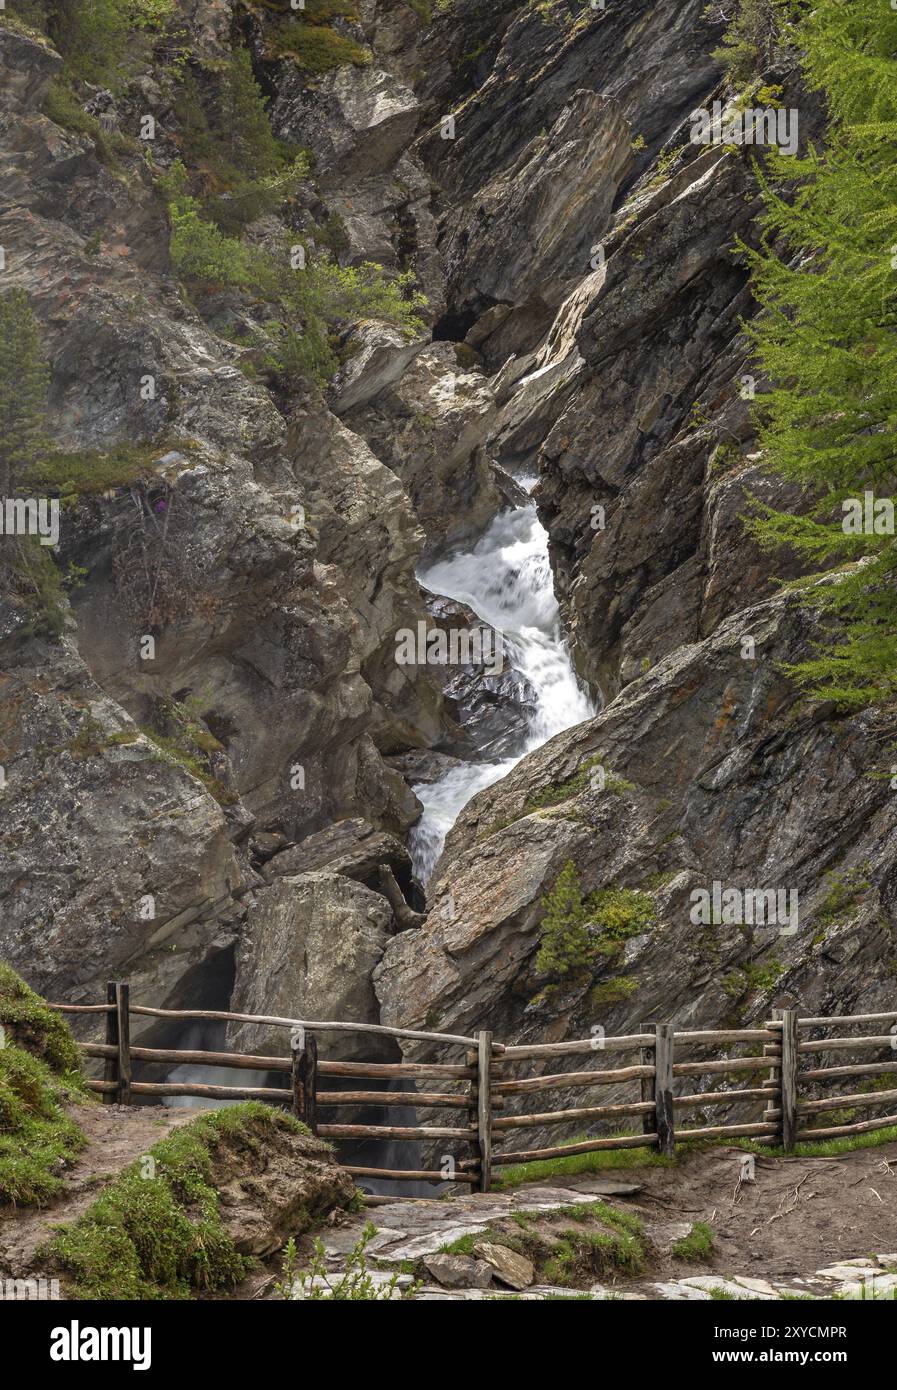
(117, 1135)
(796, 1216)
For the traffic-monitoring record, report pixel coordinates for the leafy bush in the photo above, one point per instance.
(577, 931)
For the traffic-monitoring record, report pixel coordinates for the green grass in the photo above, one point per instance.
(824, 1148)
(89, 471)
(316, 48)
(31, 1025)
(40, 1070)
(621, 1248)
(156, 1232)
(697, 1245)
(598, 1161)
(37, 1138)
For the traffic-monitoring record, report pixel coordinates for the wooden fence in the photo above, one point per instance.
(475, 1093)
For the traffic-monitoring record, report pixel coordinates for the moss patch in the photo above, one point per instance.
(316, 48)
(39, 1072)
(598, 1161)
(156, 1232)
(31, 1025)
(697, 1245)
(88, 471)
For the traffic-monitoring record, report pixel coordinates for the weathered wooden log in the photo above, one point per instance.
(196, 1088)
(788, 1079)
(411, 1174)
(560, 1081)
(849, 1044)
(722, 1035)
(396, 1099)
(110, 1066)
(484, 1119)
(839, 1131)
(561, 1117)
(312, 1026)
(406, 917)
(393, 1132)
(860, 1069)
(856, 1102)
(663, 1089)
(628, 1141)
(382, 1071)
(710, 1098)
(624, 1043)
(719, 1131)
(735, 1064)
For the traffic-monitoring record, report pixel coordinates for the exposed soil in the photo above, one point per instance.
(797, 1216)
(117, 1135)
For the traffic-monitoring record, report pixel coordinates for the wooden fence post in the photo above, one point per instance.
(647, 1058)
(789, 1079)
(663, 1088)
(304, 1047)
(111, 1064)
(123, 1020)
(774, 1080)
(484, 1109)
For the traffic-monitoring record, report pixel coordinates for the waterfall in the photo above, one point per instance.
(506, 579)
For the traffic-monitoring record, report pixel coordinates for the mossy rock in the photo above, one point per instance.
(31, 1025)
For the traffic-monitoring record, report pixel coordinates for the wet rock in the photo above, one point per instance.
(706, 757)
(431, 428)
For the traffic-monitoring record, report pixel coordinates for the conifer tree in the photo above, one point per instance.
(826, 276)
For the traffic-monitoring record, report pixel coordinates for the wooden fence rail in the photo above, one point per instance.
(476, 1114)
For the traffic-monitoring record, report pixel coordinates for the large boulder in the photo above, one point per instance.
(309, 951)
(110, 850)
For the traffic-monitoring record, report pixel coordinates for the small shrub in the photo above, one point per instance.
(316, 48)
(578, 931)
(353, 1284)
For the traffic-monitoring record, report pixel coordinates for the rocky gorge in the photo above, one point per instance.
(524, 408)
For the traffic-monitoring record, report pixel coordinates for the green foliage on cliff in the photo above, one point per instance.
(24, 381)
(97, 38)
(39, 1072)
(750, 43)
(316, 298)
(318, 49)
(826, 275)
(156, 1231)
(237, 169)
(577, 931)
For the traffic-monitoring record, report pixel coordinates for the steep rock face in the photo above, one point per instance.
(526, 138)
(714, 773)
(431, 428)
(112, 855)
(265, 550)
(309, 950)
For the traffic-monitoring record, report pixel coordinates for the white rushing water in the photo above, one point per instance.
(506, 579)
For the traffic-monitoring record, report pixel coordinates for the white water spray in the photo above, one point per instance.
(506, 580)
